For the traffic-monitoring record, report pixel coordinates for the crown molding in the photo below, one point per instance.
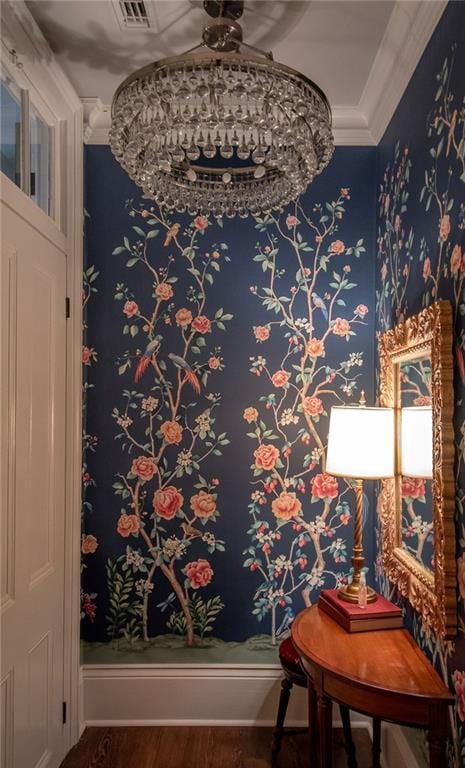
(349, 124)
(407, 34)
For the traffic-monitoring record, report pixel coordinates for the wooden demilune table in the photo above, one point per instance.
(382, 674)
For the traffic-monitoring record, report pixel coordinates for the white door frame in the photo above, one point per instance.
(29, 59)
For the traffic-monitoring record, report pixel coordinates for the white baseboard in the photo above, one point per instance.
(239, 695)
(235, 695)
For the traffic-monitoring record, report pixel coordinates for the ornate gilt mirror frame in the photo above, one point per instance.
(431, 592)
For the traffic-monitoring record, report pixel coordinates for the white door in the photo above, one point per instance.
(32, 498)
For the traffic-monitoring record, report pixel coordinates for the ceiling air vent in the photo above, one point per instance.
(132, 14)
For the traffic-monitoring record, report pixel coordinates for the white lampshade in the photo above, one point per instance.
(361, 442)
(416, 442)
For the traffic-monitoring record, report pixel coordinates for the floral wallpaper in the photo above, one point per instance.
(421, 258)
(213, 351)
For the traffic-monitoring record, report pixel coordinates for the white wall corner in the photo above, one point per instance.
(395, 749)
(97, 121)
(407, 34)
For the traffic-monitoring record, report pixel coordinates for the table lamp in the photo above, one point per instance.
(416, 442)
(360, 446)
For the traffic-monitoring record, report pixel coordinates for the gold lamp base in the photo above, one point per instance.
(349, 593)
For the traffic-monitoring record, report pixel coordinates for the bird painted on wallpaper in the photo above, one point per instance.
(319, 304)
(146, 358)
(191, 377)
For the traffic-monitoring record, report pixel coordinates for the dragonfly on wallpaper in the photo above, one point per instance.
(168, 603)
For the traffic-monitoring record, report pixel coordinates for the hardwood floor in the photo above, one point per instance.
(200, 747)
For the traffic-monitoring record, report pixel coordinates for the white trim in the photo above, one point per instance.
(75, 218)
(407, 34)
(234, 695)
(349, 124)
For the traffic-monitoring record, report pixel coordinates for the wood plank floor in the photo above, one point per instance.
(200, 747)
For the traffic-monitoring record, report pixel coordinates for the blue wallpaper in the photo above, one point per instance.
(421, 258)
(212, 353)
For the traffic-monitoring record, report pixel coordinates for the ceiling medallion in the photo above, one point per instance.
(221, 129)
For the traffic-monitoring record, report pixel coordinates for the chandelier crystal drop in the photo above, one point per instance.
(221, 130)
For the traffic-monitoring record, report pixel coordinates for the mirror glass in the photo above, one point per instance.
(416, 492)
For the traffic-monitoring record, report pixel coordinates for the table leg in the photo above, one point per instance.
(325, 727)
(312, 722)
(376, 748)
(437, 750)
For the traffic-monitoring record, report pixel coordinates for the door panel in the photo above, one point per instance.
(33, 456)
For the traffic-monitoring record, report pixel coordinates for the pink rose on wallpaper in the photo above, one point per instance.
(422, 400)
(315, 348)
(145, 468)
(286, 506)
(261, 332)
(199, 572)
(89, 544)
(128, 524)
(337, 246)
(427, 268)
(183, 317)
(324, 487)
(88, 607)
(341, 327)
(444, 227)
(214, 363)
(250, 414)
(172, 432)
(201, 223)
(164, 291)
(455, 259)
(292, 221)
(361, 310)
(203, 505)
(461, 575)
(266, 456)
(459, 685)
(87, 355)
(201, 324)
(313, 406)
(167, 501)
(280, 378)
(131, 308)
(413, 488)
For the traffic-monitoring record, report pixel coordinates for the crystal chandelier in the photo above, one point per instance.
(221, 129)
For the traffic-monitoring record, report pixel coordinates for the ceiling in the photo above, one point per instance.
(333, 43)
(337, 43)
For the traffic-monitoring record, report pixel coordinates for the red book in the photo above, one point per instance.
(381, 614)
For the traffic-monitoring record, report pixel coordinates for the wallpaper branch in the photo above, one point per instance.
(306, 326)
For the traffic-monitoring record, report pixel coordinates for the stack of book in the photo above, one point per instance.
(378, 615)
